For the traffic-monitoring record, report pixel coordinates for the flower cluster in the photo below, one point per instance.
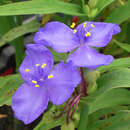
(43, 82)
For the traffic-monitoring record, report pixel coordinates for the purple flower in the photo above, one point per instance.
(85, 36)
(42, 83)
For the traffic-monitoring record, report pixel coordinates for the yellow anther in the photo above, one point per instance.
(73, 25)
(27, 70)
(43, 66)
(37, 65)
(37, 86)
(88, 34)
(74, 31)
(84, 25)
(50, 76)
(92, 26)
(34, 81)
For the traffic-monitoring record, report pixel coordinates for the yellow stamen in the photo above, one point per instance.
(37, 65)
(84, 25)
(74, 31)
(34, 81)
(50, 76)
(43, 66)
(27, 70)
(92, 26)
(88, 34)
(73, 25)
(37, 86)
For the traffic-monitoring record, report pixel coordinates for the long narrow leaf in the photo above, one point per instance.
(83, 117)
(120, 14)
(40, 7)
(16, 32)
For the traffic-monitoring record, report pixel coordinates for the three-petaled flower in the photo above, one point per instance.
(42, 83)
(85, 36)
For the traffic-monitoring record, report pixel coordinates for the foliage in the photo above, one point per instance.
(107, 106)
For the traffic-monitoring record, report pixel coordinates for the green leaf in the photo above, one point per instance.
(111, 98)
(119, 121)
(40, 7)
(95, 116)
(117, 63)
(83, 117)
(107, 83)
(122, 125)
(127, 30)
(115, 79)
(4, 25)
(48, 126)
(101, 4)
(58, 56)
(4, 2)
(120, 14)
(48, 120)
(124, 46)
(81, 3)
(16, 32)
(8, 86)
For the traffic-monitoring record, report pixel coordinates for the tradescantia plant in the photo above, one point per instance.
(75, 73)
(43, 84)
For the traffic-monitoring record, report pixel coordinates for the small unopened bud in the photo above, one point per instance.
(91, 77)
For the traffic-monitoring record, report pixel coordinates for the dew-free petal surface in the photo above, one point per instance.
(89, 57)
(58, 36)
(29, 102)
(65, 78)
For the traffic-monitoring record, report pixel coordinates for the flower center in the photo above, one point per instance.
(40, 80)
(84, 31)
(87, 30)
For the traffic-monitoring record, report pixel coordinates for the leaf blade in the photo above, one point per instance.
(124, 46)
(120, 14)
(8, 86)
(83, 117)
(103, 4)
(16, 32)
(117, 63)
(40, 7)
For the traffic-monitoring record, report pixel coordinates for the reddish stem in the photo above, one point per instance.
(83, 84)
(71, 106)
(76, 104)
(76, 91)
(67, 104)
